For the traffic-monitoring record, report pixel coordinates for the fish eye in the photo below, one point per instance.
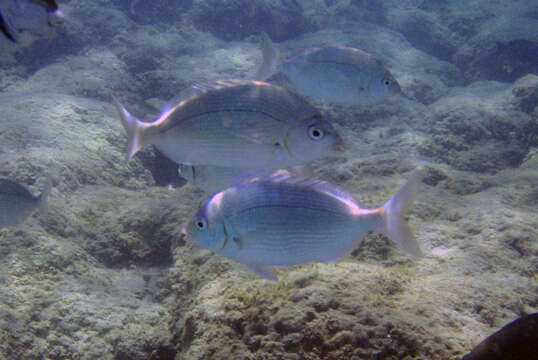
(201, 224)
(315, 132)
(387, 82)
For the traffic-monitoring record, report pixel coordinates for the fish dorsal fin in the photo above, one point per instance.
(315, 184)
(200, 88)
(271, 59)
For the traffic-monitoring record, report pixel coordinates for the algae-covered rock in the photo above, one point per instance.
(237, 19)
(478, 128)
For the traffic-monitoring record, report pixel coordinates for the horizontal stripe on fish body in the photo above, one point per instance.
(282, 220)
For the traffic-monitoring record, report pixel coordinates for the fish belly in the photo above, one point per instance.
(291, 235)
(239, 140)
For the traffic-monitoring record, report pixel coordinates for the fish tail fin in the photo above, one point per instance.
(271, 59)
(42, 200)
(133, 127)
(5, 29)
(395, 225)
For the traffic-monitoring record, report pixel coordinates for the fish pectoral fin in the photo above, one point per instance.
(265, 271)
(238, 242)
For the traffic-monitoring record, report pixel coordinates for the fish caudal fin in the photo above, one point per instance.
(133, 127)
(395, 225)
(271, 59)
(5, 29)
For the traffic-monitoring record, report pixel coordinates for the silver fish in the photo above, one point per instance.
(281, 220)
(34, 17)
(240, 124)
(337, 74)
(17, 203)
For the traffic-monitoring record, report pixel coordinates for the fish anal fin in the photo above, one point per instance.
(265, 271)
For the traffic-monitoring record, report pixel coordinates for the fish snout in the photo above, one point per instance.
(339, 145)
(184, 234)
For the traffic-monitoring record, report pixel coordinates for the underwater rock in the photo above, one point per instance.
(514, 341)
(525, 95)
(476, 128)
(505, 49)
(425, 31)
(94, 74)
(163, 12)
(41, 134)
(237, 19)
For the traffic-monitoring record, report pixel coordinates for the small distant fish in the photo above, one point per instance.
(337, 74)
(17, 203)
(238, 124)
(35, 17)
(283, 220)
(517, 340)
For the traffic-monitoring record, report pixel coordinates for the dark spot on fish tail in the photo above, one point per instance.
(4, 29)
(238, 242)
(277, 144)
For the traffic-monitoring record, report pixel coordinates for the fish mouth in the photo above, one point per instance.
(339, 146)
(184, 233)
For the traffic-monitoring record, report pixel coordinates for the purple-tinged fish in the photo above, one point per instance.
(282, 220)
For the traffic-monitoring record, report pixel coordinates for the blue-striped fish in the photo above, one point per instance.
(238, 124)
(282, 220)
(337, 74)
